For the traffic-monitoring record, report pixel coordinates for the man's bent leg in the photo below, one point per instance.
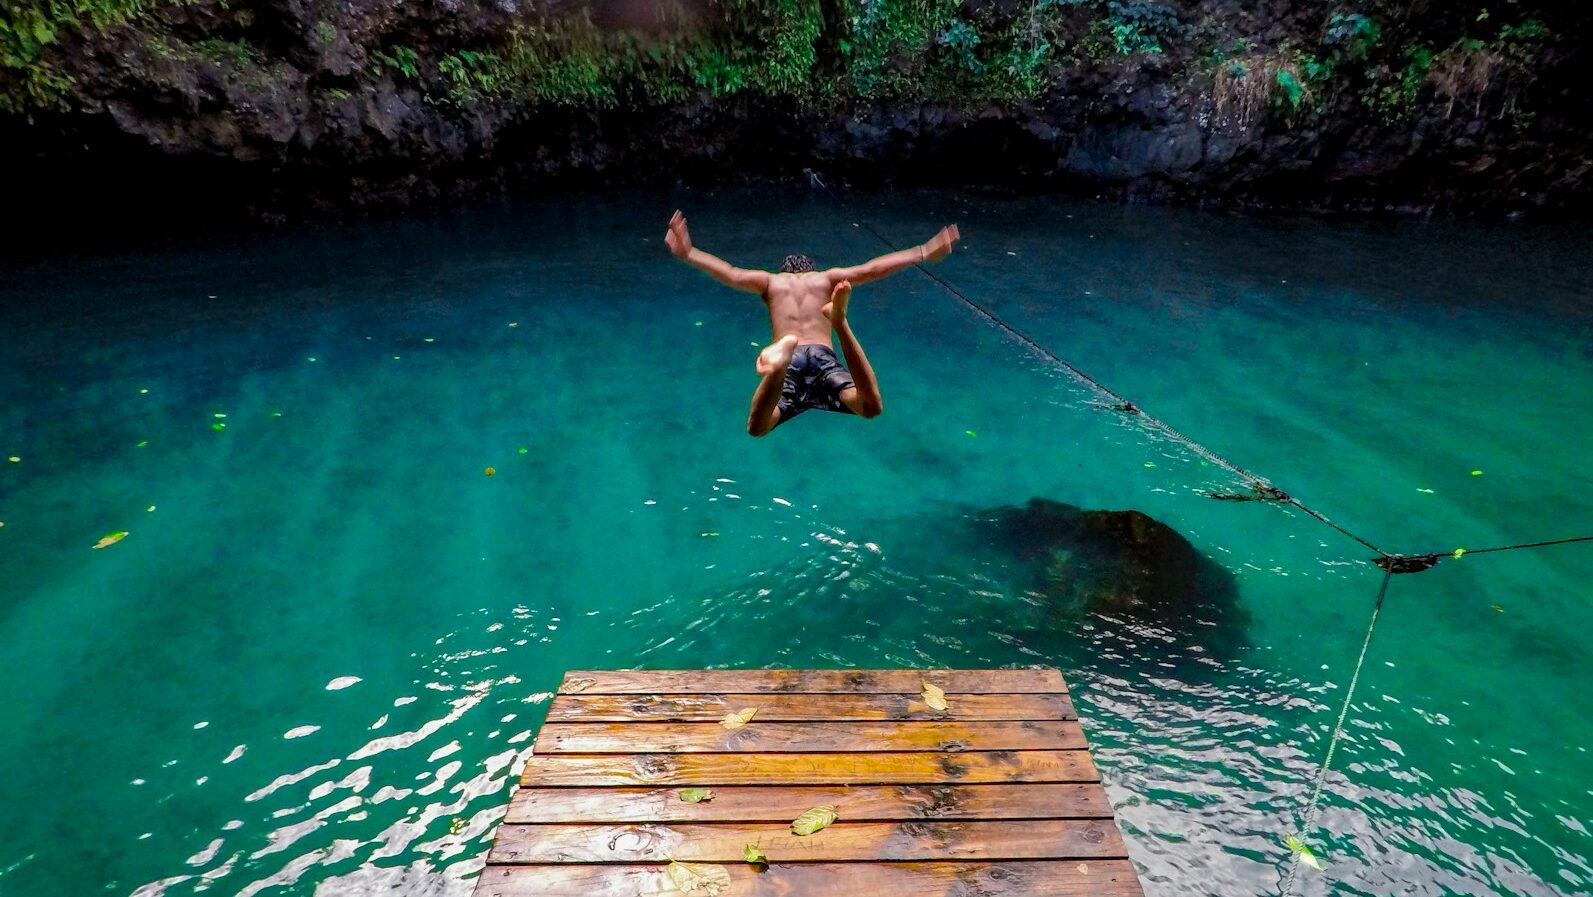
(772, 364)
(863, 397)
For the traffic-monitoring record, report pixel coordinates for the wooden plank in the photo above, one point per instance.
(805, 708)
(1091, 878)
(766, 803)
(1034, 839)
(776, 737)
(658, 682)
(888, 768)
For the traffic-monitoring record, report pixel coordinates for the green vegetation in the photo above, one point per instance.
(30, 27)
(218, 50)
(832, 53)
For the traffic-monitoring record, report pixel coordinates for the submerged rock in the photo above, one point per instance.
(1114, 562)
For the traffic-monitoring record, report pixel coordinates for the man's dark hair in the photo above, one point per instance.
(796, 264)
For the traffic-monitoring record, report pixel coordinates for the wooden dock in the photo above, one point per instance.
(996, 796)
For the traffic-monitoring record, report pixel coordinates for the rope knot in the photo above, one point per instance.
(1407, 563)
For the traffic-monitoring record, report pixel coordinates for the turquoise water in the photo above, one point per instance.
(313, 666)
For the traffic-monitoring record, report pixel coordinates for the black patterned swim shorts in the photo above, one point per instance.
(814, 380)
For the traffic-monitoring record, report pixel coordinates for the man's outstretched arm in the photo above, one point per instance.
(679, 241)
(936, 248)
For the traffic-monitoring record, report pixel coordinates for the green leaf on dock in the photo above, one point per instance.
(698, 879)
(814, 820)
(696, 795)
(753, 855)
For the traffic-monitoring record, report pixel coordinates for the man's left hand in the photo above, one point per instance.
(939, 246)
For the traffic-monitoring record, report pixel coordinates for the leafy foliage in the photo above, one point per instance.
(830, 54)
(28, 28)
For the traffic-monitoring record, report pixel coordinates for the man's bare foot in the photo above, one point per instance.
(776, 355)
(835, 309)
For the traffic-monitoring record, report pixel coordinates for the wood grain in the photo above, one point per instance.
(711, 707)
(781, 803)
(886, 768)
(778, 737)
(856, 682)
(997, 796)
(1092, 878)
(843, 841)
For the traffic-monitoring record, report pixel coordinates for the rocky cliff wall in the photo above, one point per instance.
(279, 105)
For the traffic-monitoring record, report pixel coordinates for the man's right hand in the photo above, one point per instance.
(677, 238)
(938, 247)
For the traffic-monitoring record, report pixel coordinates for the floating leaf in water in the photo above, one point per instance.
(1459, 552)
(1476, 473)
(1420, 489)
(710, 534)
(739, 718)
(970, 433)
(935, 698)
(218, 415)
(814, 820)
(111, 539)
(699, 879)
(150, 509)
(523, 450)
(1150, 463)
(577, 686)
(218, 426)
(142, 443)
(1498, 609)
(14, 459)
(753, 855)
(490, 471)
(1298, 848)
(457, 825)
(696, 795)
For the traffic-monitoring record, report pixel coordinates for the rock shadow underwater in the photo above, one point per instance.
(1076, 563)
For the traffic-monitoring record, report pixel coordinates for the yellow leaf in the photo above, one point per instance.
(111, 539)
(698, 879)
(935, 698)
(814, 820)
(739, 718)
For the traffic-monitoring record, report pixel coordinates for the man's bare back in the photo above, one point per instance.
(799, 370)
(796, 303)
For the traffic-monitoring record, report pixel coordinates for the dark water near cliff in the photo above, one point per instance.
(314, 661)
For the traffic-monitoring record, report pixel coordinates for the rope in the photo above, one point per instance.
(1525, 545)
(1263, 491)
(1314, 804)
(1119, 403)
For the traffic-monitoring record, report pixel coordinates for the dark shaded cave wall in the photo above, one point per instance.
(301, 105)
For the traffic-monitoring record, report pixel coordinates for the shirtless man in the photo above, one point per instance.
(799, 369)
